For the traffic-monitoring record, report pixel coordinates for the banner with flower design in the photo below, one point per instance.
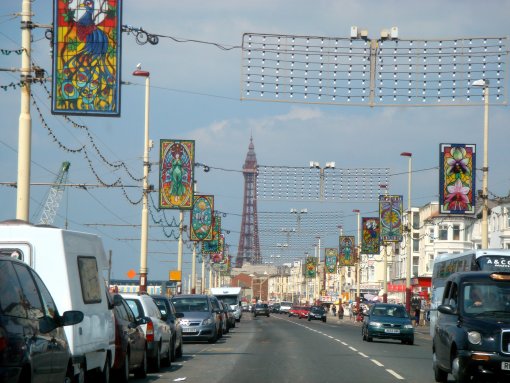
(213, 246)
(201, 224)
(86, 57)
(311, 267)
(330, 260)
(346, 251)
(370, 236)
(390, 218)
(457, 166)
(176, 172)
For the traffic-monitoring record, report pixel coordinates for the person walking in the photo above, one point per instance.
(333, 309)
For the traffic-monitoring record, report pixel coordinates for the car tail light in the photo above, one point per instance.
(149, 333)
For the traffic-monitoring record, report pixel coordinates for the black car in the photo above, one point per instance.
(387, 321)
(317, 312)
(472, 331)
(33, 344)
(275, 308)
(261, 309)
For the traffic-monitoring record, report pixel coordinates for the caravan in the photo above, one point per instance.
(71, 265)
(232, 297)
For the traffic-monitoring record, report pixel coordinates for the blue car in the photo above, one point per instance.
(388, 321)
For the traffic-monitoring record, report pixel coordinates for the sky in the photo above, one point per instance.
(195, 94)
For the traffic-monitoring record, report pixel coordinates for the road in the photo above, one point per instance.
(283, 349)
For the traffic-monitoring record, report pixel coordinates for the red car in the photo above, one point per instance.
(299, 311)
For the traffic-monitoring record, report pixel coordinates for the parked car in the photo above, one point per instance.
(130, 342)
(472, 331)
(317, 312)
(261, 309)
(229, 312)
(33, 344)
(157, 332)
(387, 321)
(201, 317)
(167, 308)
(275, 308)
(285, 307)
(78, 259)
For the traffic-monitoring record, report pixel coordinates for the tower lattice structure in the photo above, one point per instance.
(249, 246)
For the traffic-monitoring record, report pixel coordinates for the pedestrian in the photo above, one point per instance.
(333, 308)
(417, 316)
(350, 312)
(340, 312)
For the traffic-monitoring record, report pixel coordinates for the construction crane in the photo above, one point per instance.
(50, 208)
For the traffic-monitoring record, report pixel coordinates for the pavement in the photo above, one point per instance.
(422, 330)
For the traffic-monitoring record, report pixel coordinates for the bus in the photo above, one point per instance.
(473, 260)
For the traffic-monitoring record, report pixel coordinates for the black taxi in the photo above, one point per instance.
(472, 332)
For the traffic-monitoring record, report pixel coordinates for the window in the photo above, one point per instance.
(443, 232)
(89, 280)
(416, 242)
(10, 292)
(416, 220)
(456, 232)
(431, 234)
(50, 309)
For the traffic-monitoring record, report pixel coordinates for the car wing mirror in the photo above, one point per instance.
(446, 309)
(142, 320)
(71, 317)
(117, 300)
(179, 315)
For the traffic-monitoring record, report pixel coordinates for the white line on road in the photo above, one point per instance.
(377, 362)
(353, 349)
(345, 344)
(363, 355)
(394, 374)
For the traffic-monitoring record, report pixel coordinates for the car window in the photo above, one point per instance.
(190, 304)
(10, 292)
(49, 306)
(121, 312)
(129, 312)
(30, 296)
(135, 307)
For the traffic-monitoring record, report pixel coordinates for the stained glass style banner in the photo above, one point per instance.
(390, 216)
(457, 178)
(311, 267)
(218, 256)
(347, 248)
(370, 235)
(212, 246)
(201, 226)
(86, 57)
(176, 173)
(330, 260)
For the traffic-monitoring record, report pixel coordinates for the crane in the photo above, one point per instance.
(55, 195)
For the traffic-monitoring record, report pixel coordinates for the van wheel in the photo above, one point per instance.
(167, 359)
(141, 371)
(104, 376)
(122, 374)
(178, 352)
(156, 361)
(440, 376)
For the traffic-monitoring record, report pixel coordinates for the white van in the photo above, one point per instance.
(71, 264)
(232, 297)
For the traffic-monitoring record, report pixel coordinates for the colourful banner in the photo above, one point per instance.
(311, 267)
(212, 246)
(176, 172)
(219, 255)
(390, 218)
(86, 57)
(370, 235)
(330, 260)
(457, 178)
(346, 251)
(201, 225)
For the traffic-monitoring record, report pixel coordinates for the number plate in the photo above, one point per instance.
(505, 366)
(392, 330)
(189, 330)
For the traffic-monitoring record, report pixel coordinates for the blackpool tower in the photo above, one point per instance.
(249, 247)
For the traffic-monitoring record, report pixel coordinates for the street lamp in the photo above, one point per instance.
(145, 210)
(358, 255)
(409, 232)
(315, 165)
(485, 192)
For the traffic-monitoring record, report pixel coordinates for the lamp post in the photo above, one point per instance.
(329, 165)
(485, 192)
(385, 246)
(145, 210)
(358, 256)
(409, 232)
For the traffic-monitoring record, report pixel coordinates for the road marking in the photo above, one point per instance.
(394, 374)
(353, 349)
(377, 362)
(345, 344)
(363, 355)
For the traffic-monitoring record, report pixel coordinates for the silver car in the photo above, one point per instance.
(201, 317)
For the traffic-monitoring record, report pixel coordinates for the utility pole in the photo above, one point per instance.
(25, 119)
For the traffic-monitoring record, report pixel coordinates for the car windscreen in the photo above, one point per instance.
(190, 304)
(228, 299)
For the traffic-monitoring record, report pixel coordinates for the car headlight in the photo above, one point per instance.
(474, 337)
(375, 324)
(208, 321)
(408, 326)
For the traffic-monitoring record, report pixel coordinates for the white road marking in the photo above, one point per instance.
(363, 355)
(377, 362)
(353, 349)
(394, 374)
